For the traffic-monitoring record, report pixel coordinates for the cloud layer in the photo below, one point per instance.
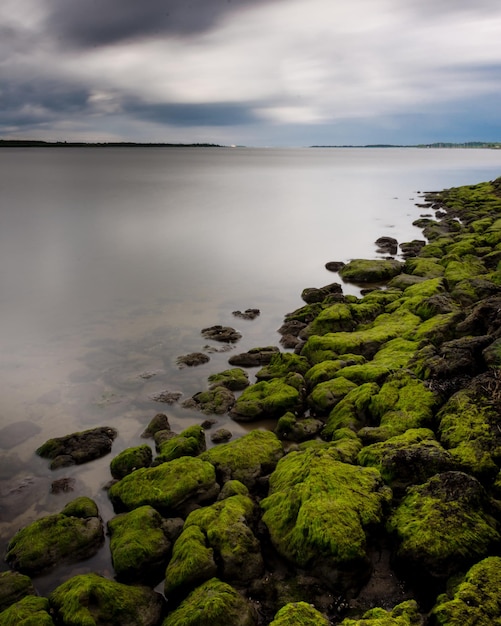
(258, 72)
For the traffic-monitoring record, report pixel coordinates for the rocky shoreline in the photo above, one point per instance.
(376, 499)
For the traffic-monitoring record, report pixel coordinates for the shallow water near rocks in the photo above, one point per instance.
(113, 260)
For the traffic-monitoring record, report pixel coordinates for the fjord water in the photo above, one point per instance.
(112, 260)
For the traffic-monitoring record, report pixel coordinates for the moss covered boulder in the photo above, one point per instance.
(281, 365)
(13, 587)
(246, 459)
(140, 544)
(78, 448)
(234, 379)
(325, 396)
(404, 614)
(91, 600)
(131, 459)
(218, 534)
(327, 370)
(443, 526)
(370, 271)
(299, 613)
(334, 318)
(74, 534)
(291, 428)
(30, 611)
(474, 600)
(190, 442)
(213, 602)
(266, 399)
(217, 400)
(170, 488)
(319, 510)
(352, 411)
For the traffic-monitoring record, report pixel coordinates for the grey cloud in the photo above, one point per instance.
(103, 22)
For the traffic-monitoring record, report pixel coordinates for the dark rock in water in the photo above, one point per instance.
(334, 266)
(13, 587)
(254, 357)
(79, 447)
(248, 314)
(313, 294)
(221, 435)
(168, 397)
(14, 434)
(290, 342)
(74, 534)
(292, 327)
(221, 333)
(234, 379)
(387, 245)
(159, 422)
(63, 485)
(208, 423)
(412, 248)
(193, 359)
(215, 401)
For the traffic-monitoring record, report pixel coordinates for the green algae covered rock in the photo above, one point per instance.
(191, 442)
(222, 534)
(139, 545)
(213, 602)
(326, 395)
(131, 459)
(281, 365)
(426, 267)
(92, 600)
(444, 525)
(74, 534)
(246, 459)
(370, 271)
(404, 614)
(217, 400)
(169, 488)
(352, 411)
(318, 511)
(264, 400)
(30, 611)
(327, 370)
(299, 613)
(13, 587)
(335, 318)
(233, 379)
(291, 428)
(474, 601)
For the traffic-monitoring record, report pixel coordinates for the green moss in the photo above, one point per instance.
(130, 459)
(318, 508)
(282, 364)
(165, 487)
(13, 587)
(475, 600)
(214, 602)
(265, 399)
(427, 267)
(138, 544)
(326, 370)
(438, 328)
(217, 400)
(326, 395)
(335, 318)
(299, 614)
(370, 271)
(190, 442)
(468, 266)
(305, 314)
(90, 599)
(233, 379)
(30, 611)
(404, 614)
(352, 411)
(81, 507)
(246, 458)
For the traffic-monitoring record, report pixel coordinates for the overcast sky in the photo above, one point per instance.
(252, 72)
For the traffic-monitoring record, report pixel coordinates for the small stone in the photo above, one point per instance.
(221, 333)
(193, 359)
(221, 435)
(248, 314)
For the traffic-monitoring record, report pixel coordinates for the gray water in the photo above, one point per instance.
(113, 260)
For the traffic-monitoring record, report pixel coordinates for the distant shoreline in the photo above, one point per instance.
(33, 143)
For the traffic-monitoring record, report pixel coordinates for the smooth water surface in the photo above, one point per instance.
(113, 259)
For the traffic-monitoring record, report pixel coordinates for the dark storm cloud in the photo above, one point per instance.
(186, 115)
(102, 22)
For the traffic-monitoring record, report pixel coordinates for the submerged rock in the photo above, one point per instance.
(193, 359)
(225, 334)
(254, 357)
(78, 447)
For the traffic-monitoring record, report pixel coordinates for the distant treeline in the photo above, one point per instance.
(440, 144)
(30, 143)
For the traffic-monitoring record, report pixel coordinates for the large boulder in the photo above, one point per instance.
(171, 488)
(13, 587)
(299, 613)
(92, 600)
(254, 357)
(72, 535)
(370, 271)
(29, 611)
(190, 442)
(266, 399)
(131, 459)
(78, 447)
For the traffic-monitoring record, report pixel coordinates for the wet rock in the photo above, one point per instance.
(313, 294)
(190, 442)
(248, 314)
(234, 379)
(112, 602)
(221, 435)
(192, 360)
(225, 334)
(72, 535)
(334, 266)
(412, 248)
(13, 587)
(254, 357)
(216, 401)
(387, 245)
(78, 447)
(131, 459)
(159, 422)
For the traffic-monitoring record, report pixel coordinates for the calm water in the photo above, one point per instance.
(113, 260)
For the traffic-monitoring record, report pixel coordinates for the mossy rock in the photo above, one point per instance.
(471, 290)
(215, 401)
(190, 442)
(404, 614)
(299, 613)
(247, 458)
(465, 268)
(139, 545)
(292, 428)
(370, 271)
(283, 364)
(475, 600)
(29, 611)
(439, 328)
(169, 488)
(335, 318)
(318, 511)
(13, 587)
(234, 379)
(352, 411)
(79, 447)
(131, 459)
(425, 267)
(305, 314)
(326, 395)
(213, 602)
(318, 294)
(90, 600)
(157, 423)
(410, 458)
(402, 281)
(327, 370)
(265, 399)
(443, 526)
(68, 536)
(222, 534)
